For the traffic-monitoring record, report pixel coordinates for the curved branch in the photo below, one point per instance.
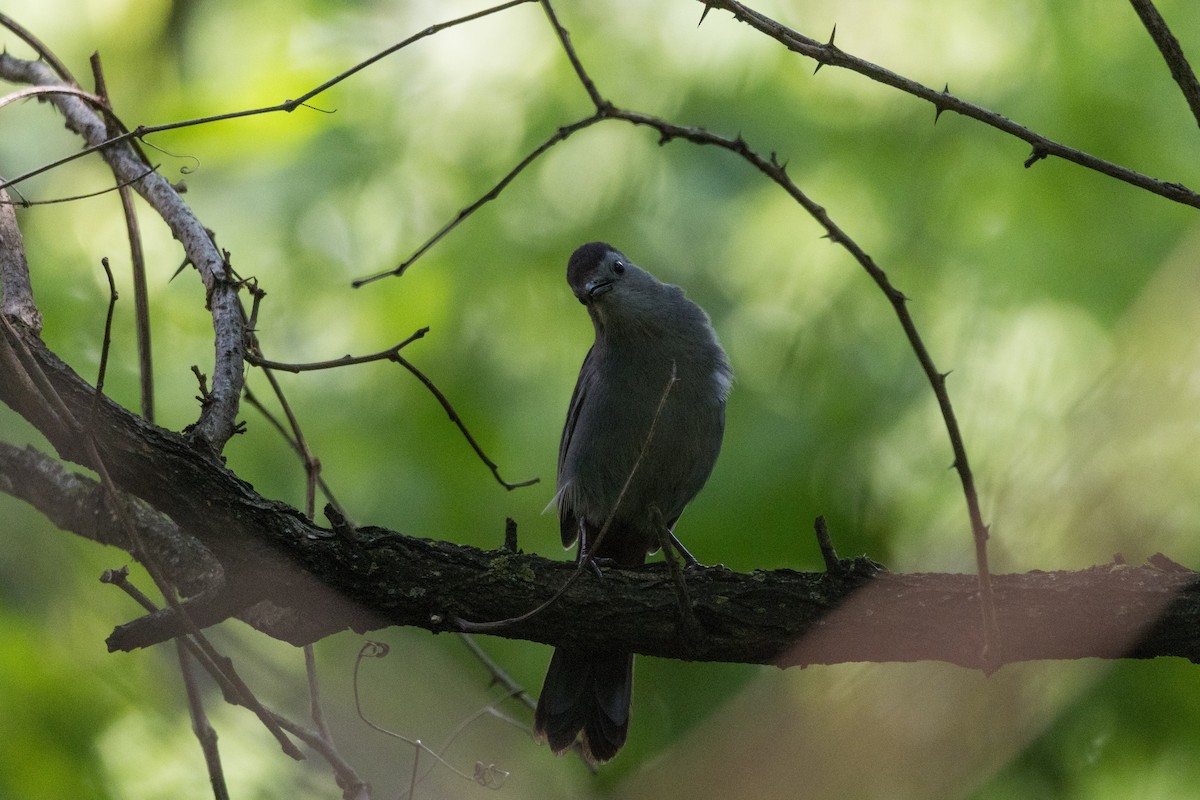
(218, 416)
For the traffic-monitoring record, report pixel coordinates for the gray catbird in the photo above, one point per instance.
(646, 419)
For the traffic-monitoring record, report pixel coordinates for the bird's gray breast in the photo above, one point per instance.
(647, 433)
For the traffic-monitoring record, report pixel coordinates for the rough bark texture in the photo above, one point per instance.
(241, 554)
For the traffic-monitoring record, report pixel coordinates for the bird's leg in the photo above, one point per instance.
(585, 557)
(687, 617)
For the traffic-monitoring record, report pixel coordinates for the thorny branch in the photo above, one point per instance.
(829, 54)
(104, 134)
(1172, 53)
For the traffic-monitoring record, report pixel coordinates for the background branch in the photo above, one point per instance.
(1172, 53)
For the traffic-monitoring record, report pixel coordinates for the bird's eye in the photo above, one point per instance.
(618, 267)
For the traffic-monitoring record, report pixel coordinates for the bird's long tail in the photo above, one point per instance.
(589, 693)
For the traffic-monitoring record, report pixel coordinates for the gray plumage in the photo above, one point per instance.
(646, 331)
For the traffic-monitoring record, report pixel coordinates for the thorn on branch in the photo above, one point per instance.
(704, 13)
(937, 114)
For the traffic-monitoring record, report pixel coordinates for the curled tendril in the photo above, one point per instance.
(374, 649)
(490, 776)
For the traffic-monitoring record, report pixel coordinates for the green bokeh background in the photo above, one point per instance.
(1065, 304)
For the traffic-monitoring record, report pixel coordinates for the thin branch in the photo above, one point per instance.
(288, 106)
(561, 135)
(201, 727)
(86, 195)
(137, 259)
(828, 54)
(275, 423)
(393, 354)
(1172, 53)
(389, 354)
(221, 668)
(462, 427)
(106, 341)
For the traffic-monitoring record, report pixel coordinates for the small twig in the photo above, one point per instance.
(392, 354)
(832, 563)
(316, 711)
(201, 727)
(106, 342)
(275, 423)
(137, 258)
(559, 136)
(462, 427)
(23, 203)
(389, 354)
(499, 676)
(1172, 53)
(510, 535)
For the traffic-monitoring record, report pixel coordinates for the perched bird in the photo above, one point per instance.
(642, 434)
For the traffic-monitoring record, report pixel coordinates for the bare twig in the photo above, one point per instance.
(393, 354)
(1172, 53)
(559, 136)
(389, 354)
(462, 427)
(201, 727)
(106, 341)
(253, 400)
(137, 258)
(828, 54)
(288, 106)
(84, 196)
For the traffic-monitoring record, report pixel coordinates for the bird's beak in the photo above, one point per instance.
(596, 287)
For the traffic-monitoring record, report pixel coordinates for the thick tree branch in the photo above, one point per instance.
(371, 577)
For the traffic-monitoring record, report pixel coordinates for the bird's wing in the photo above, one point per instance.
(568, 524)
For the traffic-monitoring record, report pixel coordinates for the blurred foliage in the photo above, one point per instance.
(1063, 302)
